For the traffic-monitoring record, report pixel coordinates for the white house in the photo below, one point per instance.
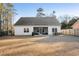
(41, 25)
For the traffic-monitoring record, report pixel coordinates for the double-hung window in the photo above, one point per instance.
(54, 30)
(26, 30)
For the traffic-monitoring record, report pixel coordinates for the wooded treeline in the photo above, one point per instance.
(6, 18)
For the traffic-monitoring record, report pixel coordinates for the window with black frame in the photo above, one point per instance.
(26, 30)
(54, 30)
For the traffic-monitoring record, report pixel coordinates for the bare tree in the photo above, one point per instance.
(65, 18)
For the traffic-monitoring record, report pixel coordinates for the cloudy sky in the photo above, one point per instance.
(29, 9)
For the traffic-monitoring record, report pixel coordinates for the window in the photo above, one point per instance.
(54, 30)
(26, 29)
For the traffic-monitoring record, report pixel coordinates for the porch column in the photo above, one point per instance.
(50, 30)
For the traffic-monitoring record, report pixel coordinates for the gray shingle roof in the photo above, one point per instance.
(37, 21)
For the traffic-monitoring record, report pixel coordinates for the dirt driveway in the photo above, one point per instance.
(40, 46)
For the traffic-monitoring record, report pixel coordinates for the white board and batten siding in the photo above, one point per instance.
(19, 30)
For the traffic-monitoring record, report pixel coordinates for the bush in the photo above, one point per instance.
(1, 33)
(11, 33)
(5, 33)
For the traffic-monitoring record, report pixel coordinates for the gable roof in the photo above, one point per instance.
(37, 21)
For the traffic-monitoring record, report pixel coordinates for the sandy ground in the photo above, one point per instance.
(39, 46)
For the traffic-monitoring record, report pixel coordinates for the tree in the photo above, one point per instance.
(9, 15)
(1, 14)
(73, 20)
(64, 25)
(6, 16)
(53, 14)
(65, 22)
(40, 12)
(65, 18)
(68, 25)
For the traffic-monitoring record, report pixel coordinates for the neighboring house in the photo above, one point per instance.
(76, 25)
(41, 25)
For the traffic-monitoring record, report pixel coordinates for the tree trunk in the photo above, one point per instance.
(0, 22)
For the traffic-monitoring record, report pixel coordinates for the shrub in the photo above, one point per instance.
(1, 33)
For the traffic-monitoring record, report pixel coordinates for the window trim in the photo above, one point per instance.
(54, 30)
(26, 30)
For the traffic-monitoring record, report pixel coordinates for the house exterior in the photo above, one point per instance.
(42, 25)
(76, 25)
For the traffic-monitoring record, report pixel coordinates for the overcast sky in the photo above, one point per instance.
(29, 9)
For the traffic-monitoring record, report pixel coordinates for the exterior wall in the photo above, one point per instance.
(50, 29)
(19, 30)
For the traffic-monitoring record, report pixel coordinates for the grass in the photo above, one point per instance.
(26, 46)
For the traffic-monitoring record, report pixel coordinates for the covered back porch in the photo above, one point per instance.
(41, 30)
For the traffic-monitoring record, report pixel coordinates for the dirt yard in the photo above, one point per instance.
(39, 46)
